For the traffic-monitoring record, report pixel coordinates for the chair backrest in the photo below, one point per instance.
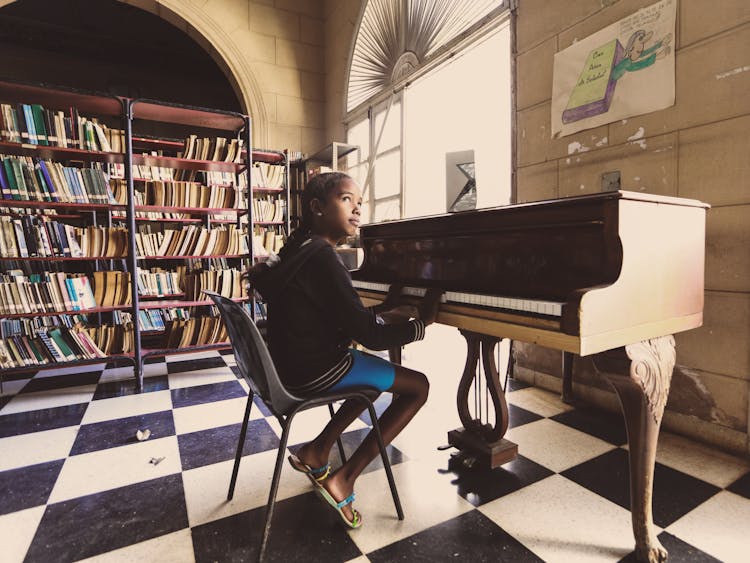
(252, 356)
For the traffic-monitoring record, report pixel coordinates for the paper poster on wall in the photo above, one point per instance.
(623, 70)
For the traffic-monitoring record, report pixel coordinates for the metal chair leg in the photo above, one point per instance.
(240, 446)
(274, 485)
(338, 440)
(386, 461)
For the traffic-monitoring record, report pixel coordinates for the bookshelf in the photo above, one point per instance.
(154, 222)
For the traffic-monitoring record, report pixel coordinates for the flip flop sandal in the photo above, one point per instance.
(316, 475)
(337, 506)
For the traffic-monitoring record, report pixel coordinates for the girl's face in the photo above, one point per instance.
(338, 217)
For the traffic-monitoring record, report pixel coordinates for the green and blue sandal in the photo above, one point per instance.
(337, 506)
(316, 474)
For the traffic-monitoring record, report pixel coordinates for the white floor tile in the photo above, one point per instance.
(211, 415)
(308, 424)
(539, 401)
(561, 521)
(176, 547)
(126, 372)
(417, 485)
(50, 399)
(130, 405)
(698, 460)
(36, 447)
(200, 377)
(116, 467)
(17, 529)
(206, 487)
(719, 526)
(556, 446)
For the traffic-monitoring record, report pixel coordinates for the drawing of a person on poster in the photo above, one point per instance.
(586, 75)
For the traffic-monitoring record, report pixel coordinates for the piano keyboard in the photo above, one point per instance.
(549, 308)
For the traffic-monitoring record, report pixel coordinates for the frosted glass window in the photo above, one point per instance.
(387, 210)
(358, 134)
(388, 175)
(392, 132)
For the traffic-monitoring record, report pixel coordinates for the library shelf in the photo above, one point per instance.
(61, 258)
(63, 205)
(264, 190)
(58, 365)
(19, 215)
(163, 296)
(191, 256)
(151, 352)
(262, 223)
(60, 153)
(191, 210)
(91, 311)
(178, 304)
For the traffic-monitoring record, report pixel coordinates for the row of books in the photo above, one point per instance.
(53, 292)
(48, 347)
(113, 339)
(267, 175)
(153, 320)
(157, 282)
(190, 240)
(225, 282)
(267, 242)
(32, 236)
(196, 331)
(33, 124)
(267, 209)
(217, 149)
(33, 179)
(112, 288)
(185, 194)
(209, 177)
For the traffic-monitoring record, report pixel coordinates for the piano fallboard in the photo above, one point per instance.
(623, 266)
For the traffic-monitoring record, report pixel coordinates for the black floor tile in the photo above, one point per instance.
(220, 444)
(28, 486)
(122, 431)
(741, 486)
(154, 360)
(193, 365)
(62, 381)
(4, 400)
(226, 352)
(200, 394)
(519, 416)
(93, 524)
(236, 371)
(516, 384)
(469, 537)
(42, 419)
(678, 551)
(605, 425)
(675, 493)
(479, 485)
(259, 404)
(380, 404)
(303, 529)
(128, 386)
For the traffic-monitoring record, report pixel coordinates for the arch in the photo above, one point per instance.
(200, 27)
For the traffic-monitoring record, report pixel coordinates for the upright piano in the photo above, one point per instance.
(617, 271)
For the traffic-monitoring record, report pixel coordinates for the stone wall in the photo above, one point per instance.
(696, 149)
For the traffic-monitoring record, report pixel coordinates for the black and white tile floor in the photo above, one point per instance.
(76, 484)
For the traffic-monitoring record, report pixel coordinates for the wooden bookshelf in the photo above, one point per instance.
(91, 311)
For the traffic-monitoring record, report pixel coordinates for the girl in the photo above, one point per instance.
(314, 313)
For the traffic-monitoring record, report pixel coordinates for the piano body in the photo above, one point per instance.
(618, 271)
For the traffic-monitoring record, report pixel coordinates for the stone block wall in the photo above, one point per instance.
(698, 148)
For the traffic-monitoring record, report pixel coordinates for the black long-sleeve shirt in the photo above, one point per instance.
(314, 313)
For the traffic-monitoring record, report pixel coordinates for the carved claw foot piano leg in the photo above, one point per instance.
(643, 395)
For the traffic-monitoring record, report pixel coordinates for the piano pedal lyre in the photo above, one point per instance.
(480, 440)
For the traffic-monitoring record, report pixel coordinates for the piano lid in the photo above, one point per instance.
(541, 250)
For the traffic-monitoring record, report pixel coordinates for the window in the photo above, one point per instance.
(449, 124)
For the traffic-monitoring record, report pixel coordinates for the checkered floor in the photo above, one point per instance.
(76, 484)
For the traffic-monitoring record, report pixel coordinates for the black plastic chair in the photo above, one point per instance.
(256, 366)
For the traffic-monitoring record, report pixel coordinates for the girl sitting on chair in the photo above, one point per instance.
(314, 313)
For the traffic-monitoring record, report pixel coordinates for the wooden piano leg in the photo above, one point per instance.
(567, 378)
(643, 395)
(478, 439)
